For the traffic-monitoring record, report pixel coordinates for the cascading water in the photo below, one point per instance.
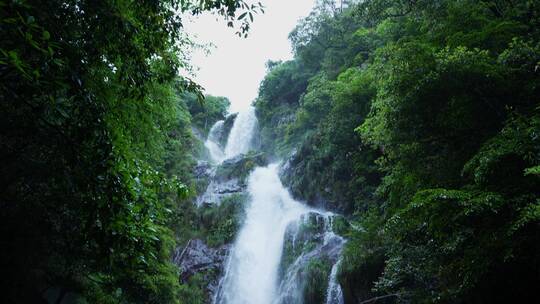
(241, 135)
(239, 139)
(312, 239)
(334, 293)
(252, 272)
(255, 272)
(252, 275)
(211, 143)
(238, 142)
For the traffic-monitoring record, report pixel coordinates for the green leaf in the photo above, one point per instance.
(242, 16)
(533, 170)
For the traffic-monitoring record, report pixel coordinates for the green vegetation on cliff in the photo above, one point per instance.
(419, 121)
(204, 113)
(96, 147)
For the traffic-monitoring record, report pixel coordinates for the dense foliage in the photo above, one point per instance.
(419, 120)
(94, 132)
(204, 114)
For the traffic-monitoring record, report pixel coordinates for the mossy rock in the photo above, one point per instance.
(301, 239)
(315, 281)
(240, 167)
(291, 251)
(221, 222)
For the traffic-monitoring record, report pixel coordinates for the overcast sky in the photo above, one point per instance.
(236, 65)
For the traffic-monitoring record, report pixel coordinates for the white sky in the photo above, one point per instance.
(236, 66)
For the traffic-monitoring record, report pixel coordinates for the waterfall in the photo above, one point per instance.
(255, 272)
(253, 267)
(252, 272)
(212, 142)
(241, 135)
(238, 141)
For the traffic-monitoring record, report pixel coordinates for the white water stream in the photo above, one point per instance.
(251, 275)
(241, 135)
(253, 267)
(239, 139)
(334, 293)
(212, 142)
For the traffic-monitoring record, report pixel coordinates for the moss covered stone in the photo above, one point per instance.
(240, 167)
(315, 280)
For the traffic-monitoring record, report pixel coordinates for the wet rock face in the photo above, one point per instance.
(218, 191)
(240, 166)
(203, 169)
(202, 174)
(229, 178)
(310, 250)
(227, 126)
(312, 236)
(197, 258)
(230, 187)
(293, 176)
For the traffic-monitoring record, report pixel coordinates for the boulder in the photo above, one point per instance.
(203, 169)
(215, 184)
(197, 257)
(217, 191)
(240, 166)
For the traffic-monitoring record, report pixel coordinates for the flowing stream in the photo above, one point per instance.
(255, 272)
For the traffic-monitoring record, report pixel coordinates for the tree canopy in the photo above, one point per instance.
(418, 120)
(96, 142)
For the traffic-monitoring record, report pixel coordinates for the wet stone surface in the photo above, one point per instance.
(197, 258)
